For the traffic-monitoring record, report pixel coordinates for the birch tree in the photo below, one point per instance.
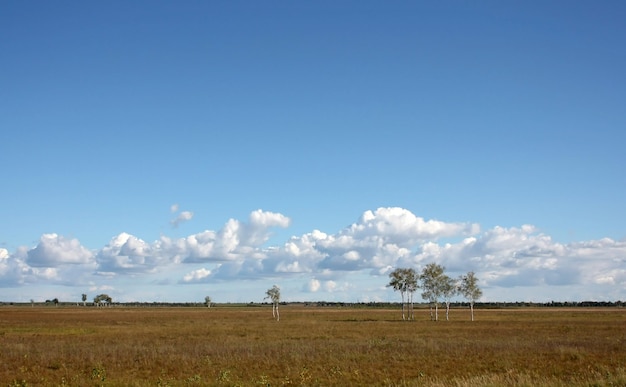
(274, 295)
(404, 280)
(431, 280)
(397, 283)
(470, 290)
(207, 301)
(84, 298)
(411, 287)
(449, 289)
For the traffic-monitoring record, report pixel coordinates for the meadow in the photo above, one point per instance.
(310, 346)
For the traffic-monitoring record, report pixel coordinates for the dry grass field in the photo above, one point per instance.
(122, 346)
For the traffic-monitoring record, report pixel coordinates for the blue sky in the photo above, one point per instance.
(166, 151)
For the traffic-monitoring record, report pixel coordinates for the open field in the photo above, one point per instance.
(82, 346)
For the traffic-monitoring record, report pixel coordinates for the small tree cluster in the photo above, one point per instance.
(436, 286)
(54, 301)
(102, 299)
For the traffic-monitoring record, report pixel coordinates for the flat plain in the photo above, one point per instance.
(312, 346)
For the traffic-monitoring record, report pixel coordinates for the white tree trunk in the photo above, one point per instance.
(436, 311)
(447, 310)
(472, 310)
(277, 314)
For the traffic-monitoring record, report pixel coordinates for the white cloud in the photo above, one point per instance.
(313, 285)
(174, 208)
(127, 253)
(47, 273)
(330, 286)
(382, 237)
(391, 237)
(181, 218)
(236, 240)
(503, 258)
(197, 275)
(10, 273)
(401, 227)
(54, 250)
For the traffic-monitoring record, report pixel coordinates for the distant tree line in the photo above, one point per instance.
(342, 304)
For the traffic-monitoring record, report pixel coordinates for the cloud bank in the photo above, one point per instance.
(503, 258)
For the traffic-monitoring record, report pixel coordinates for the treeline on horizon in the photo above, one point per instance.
(336, 304)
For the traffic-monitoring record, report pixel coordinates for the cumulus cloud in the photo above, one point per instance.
(54, 250)
(378, 239)
(236, 240)
(5, 264)
(55, 260)
(401, 227)
(127, 253)
(392, 237)
(508, 257)
(502, 257)
(197, 275)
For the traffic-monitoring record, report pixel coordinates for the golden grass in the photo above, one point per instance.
(82, 346)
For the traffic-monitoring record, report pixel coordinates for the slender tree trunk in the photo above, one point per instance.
(402, 294)
(277, 314)
(447, 310)
(436, 311)
(472, 310)
(431, 311)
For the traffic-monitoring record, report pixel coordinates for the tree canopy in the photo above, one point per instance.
(404, 280)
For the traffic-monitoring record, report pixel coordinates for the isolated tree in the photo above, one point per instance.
(84, 298)
(449, 289)
(56, 302)
(397, 282)
(470, 290)
(431, 279)
(274, 295)
(207, 301)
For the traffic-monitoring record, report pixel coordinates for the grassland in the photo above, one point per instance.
(120, 346)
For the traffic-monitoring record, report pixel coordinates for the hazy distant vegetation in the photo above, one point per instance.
(381, 305)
